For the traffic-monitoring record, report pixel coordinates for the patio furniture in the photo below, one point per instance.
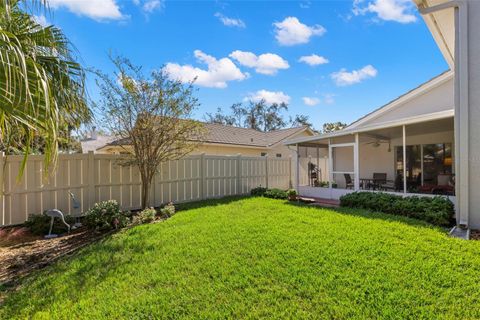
(378, 180)
(348, 181)
(365, 183)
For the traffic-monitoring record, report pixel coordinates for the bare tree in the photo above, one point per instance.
(150, 116)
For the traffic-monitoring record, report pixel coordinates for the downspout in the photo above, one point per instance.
(461, 104)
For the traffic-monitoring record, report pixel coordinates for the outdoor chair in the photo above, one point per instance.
(378, 180)
(348, 181)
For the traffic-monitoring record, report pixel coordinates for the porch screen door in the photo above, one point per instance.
(342, 165)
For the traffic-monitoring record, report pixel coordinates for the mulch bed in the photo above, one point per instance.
(21, 252)
(474, 234)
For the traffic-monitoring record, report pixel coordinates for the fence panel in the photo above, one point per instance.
(91, 178)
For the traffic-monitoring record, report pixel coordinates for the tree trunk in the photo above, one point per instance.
(145, 194)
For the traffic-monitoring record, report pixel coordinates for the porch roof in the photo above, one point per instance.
(441, 25)
(385, 125)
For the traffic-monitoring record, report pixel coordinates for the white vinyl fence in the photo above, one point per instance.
(96, 177)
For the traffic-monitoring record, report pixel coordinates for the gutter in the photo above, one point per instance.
(461, 103)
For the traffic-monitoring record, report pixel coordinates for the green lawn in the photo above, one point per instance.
(261, 258)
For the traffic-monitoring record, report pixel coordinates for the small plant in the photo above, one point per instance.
(258, 191)
(326, 184)
(276, 194)
(168, 210)
(292, 194)
(435, 210)
(147, 215)
(106, 215)
(39, 224)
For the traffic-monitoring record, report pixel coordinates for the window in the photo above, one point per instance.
(427, 160)
(263, 154)
(278, 155)
(437, 159)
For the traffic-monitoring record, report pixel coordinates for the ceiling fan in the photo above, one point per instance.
(378, 142)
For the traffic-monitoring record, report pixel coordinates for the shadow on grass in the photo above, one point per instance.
(209, 202)
(368, 214)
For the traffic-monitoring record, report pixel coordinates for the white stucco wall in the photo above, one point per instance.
(474, 114)
(440, 98)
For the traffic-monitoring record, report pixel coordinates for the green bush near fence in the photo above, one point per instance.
(274, 193)
(39, 224)
(436, 210)
(106, 215)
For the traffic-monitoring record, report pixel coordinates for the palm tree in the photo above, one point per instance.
(41, 83)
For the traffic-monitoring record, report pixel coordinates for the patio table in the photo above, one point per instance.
(365, 183)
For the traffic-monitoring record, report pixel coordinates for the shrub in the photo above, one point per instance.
(168, 210)
(147, 215)
(292, 192)
(39, 224)
(326, 184)
(276, 194)
(258, 191)
(106, 215)
(436, 210)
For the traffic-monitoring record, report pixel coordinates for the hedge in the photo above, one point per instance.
(436, 210)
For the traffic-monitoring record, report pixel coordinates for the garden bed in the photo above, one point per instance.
(22, 252)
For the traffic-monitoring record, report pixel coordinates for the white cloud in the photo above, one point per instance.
(291, 31)
(98, 9)
(313, 60)
(230, 22)
(311, 101)
(267, 63)
(270, 97)
(388, 10)
(150, 6)
(345, 78)
(218, 73)
(41, 20)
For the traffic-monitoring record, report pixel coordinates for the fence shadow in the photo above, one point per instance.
(368, 214)
(209, 202)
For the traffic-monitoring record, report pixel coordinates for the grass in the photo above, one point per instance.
(261, 258)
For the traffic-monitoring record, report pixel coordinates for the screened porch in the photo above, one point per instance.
(336, 164)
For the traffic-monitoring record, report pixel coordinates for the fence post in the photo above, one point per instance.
(2, 187)
(91, 179)
(266, 171)
(203, 188)
(239, 174)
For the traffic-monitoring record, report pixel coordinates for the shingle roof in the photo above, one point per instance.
(218, 133)
(222, 134)
(90, 144)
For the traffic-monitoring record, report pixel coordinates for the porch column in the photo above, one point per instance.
(404, 138)
(356, 163)
(330, 164)
(297, 169)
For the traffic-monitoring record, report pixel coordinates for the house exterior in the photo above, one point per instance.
(229, 140)
(434, 127)
(94, 141)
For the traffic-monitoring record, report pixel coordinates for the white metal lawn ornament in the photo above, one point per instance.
(55, 213)
(75, 205)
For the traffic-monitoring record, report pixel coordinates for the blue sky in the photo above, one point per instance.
(357, 55)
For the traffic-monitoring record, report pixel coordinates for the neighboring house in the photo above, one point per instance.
(229, 140)
(435, 127)
(95, 141)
